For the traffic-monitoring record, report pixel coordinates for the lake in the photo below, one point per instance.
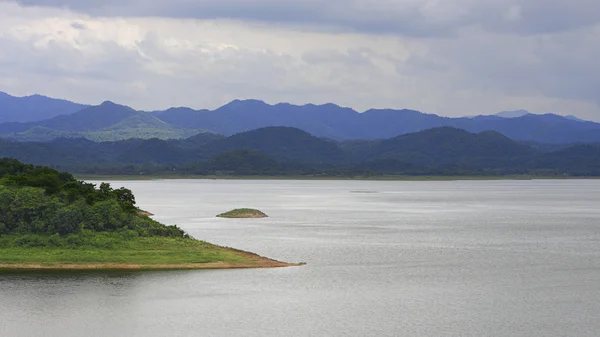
(465, 258)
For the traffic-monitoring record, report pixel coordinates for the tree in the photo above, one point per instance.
(31, 208)
(125, 198)
(69, 219)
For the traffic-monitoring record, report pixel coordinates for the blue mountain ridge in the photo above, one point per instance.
(325, 121)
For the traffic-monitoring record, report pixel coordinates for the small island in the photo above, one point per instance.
(243, 213)
(51, 221)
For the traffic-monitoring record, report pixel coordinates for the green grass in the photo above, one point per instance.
(142, 133)
(111, 248)
(243, 213)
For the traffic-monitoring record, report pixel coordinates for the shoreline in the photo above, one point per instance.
(144, 254)
(254, 262)
(326, 178)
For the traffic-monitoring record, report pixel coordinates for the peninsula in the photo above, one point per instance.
(51, 221)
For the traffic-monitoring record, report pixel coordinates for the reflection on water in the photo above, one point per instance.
(471, 258)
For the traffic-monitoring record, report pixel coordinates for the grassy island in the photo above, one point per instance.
(243, 213)
(50, 220)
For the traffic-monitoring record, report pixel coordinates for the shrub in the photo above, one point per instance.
(31, 241)
(74, 240)
(55, 241)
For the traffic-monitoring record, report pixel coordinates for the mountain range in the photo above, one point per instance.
(291, 151)
(110, 122)
(34, 108)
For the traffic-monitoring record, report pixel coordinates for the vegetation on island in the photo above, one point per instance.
(50, 219)
(243, 213)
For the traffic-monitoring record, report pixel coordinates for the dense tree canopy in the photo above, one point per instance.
(40, 200)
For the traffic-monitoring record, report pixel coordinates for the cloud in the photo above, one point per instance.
(561, 65)
(152, 62)
(78, 25)
(404, 17)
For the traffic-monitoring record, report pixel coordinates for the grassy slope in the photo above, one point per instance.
(109, 251)
(140, 125)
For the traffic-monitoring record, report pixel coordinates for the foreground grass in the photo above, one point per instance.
(113, 251)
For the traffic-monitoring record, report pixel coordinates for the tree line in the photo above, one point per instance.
(41, 200)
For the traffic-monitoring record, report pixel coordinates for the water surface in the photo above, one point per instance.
(467, 258)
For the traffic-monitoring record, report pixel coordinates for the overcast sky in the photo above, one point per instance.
(449, 57)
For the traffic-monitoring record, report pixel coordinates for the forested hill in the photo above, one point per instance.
(110, 122)
(448, 146)
(41, 201)
(290, 151)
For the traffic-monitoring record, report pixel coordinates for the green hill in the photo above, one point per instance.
(292, 152)
(153, 151)
(49, 220)
(284, 144)
(242, 162)
(141, 125)
(449, 146)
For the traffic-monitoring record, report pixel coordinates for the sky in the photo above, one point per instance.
(448, 57)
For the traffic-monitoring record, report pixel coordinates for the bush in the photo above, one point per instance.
(74, 240)
(128, 234)
(55, 241)
(32, 241)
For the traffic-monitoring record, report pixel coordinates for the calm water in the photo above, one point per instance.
(495, 258)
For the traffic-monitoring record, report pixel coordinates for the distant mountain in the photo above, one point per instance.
(105, 122)
(281, 144)
(580, 159)
(521, 113)
(449, 146)
(110, 122)
(153, 151)
(196, 141)
(238, 116)
(34, 108)
(65, 153)
(573, 118)
(290, 151)
(284, 144)
(335, 122)
(548, 128)
(242, 162)
(512, 114)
